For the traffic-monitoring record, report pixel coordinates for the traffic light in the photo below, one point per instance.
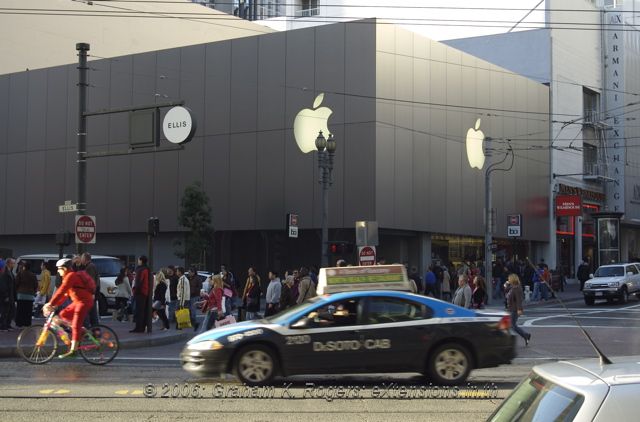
(340, 247)
(153, 226)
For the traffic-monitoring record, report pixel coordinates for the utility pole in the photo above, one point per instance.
(488, 253)
(82, 133)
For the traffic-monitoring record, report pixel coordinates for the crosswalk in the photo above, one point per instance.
(621, 317)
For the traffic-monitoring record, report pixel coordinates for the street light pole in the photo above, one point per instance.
(326, 150)
(488, 268)
(82, 132)
(488, 229)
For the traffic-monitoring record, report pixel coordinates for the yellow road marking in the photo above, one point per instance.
(62, 392)
(46, 391)
(122, 392)
(136, 393)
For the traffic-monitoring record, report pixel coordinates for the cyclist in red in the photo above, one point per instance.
(77, 288)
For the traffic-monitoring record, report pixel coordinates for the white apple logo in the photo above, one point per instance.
(309, 123)
(475, 152)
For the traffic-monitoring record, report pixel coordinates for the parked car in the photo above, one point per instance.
(108, 268)
(615, 281)
(577, 390)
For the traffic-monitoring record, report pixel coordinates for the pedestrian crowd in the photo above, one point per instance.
(224, 298)
(220, 297)
(23, 295)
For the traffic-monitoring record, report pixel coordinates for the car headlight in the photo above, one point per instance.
(587, 285)
(112, 290)
(613, 284)
(206, 345)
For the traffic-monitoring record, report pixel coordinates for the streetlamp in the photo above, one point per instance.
(326, 150)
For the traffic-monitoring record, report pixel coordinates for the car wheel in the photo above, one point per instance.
(449, 364)
(255, 365)
(102, 304)
(589, 301)
(624, 296)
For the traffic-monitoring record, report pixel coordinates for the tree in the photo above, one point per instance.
(195, 215)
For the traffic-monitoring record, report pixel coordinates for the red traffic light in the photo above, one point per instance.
(340, 248)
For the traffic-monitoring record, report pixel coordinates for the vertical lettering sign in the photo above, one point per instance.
(615, 86)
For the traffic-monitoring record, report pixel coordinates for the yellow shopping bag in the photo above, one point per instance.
(183, 317)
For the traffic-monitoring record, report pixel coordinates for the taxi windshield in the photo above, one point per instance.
(287, 313)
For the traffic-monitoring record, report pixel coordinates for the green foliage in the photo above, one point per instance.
(195, 216)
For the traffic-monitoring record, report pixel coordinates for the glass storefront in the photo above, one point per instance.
(565, 244)
(458, 249)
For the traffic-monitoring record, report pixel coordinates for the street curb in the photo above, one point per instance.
(137, 343)
(126, 344)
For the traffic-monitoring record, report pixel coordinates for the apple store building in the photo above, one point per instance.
(416, 125)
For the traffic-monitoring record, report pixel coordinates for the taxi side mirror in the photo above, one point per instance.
(302, 323)
(590, 275)
(630, 274)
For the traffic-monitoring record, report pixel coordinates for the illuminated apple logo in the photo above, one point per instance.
(475, 151)
(309, 122)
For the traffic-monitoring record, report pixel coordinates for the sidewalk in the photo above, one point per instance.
(127, 340)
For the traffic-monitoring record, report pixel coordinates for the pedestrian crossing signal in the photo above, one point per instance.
(153, 226)
(340, 248)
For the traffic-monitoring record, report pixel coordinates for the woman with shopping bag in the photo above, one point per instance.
(213, 305)
(183, 318)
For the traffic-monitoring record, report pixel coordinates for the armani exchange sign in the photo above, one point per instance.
(615, 110)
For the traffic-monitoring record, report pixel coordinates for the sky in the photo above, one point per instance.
(448, 19)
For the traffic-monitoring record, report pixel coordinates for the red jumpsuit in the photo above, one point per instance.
(73, 286)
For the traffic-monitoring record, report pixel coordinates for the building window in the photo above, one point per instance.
(591, 129)
(308, 8)
(591, 105)
(590, 159)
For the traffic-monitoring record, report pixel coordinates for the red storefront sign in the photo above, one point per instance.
(570, 205)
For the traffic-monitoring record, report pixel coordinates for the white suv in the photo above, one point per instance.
(615, 281)
(108, 268)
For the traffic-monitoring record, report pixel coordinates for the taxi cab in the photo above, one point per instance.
(364, 321)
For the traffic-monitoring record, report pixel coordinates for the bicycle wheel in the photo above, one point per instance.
(30, 351)
(99, 345)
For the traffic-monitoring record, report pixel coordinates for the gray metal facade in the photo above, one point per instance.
(401, 107)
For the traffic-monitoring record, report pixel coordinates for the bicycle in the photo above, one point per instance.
(38, 344)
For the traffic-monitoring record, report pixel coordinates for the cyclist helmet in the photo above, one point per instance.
(64, 262)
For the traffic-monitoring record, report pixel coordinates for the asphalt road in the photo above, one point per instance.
(75, 390)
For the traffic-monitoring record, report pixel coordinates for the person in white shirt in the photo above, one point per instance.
(273, 294)
(184, 290)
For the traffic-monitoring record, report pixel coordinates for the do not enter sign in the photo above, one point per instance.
(367, 255)
(85, 229)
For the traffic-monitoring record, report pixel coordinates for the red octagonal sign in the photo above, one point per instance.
(85, 229)
(367, 255)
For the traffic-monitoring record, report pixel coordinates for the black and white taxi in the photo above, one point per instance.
(364, 321)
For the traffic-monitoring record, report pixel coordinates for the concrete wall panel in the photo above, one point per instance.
(18, 100)
(37, 112)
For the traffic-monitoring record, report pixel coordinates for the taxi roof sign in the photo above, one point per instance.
(372, 277)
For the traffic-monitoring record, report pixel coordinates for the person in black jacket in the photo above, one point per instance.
(251, 296)
(6, 296)
(583, 273)
(159, 299)
(286, 293)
